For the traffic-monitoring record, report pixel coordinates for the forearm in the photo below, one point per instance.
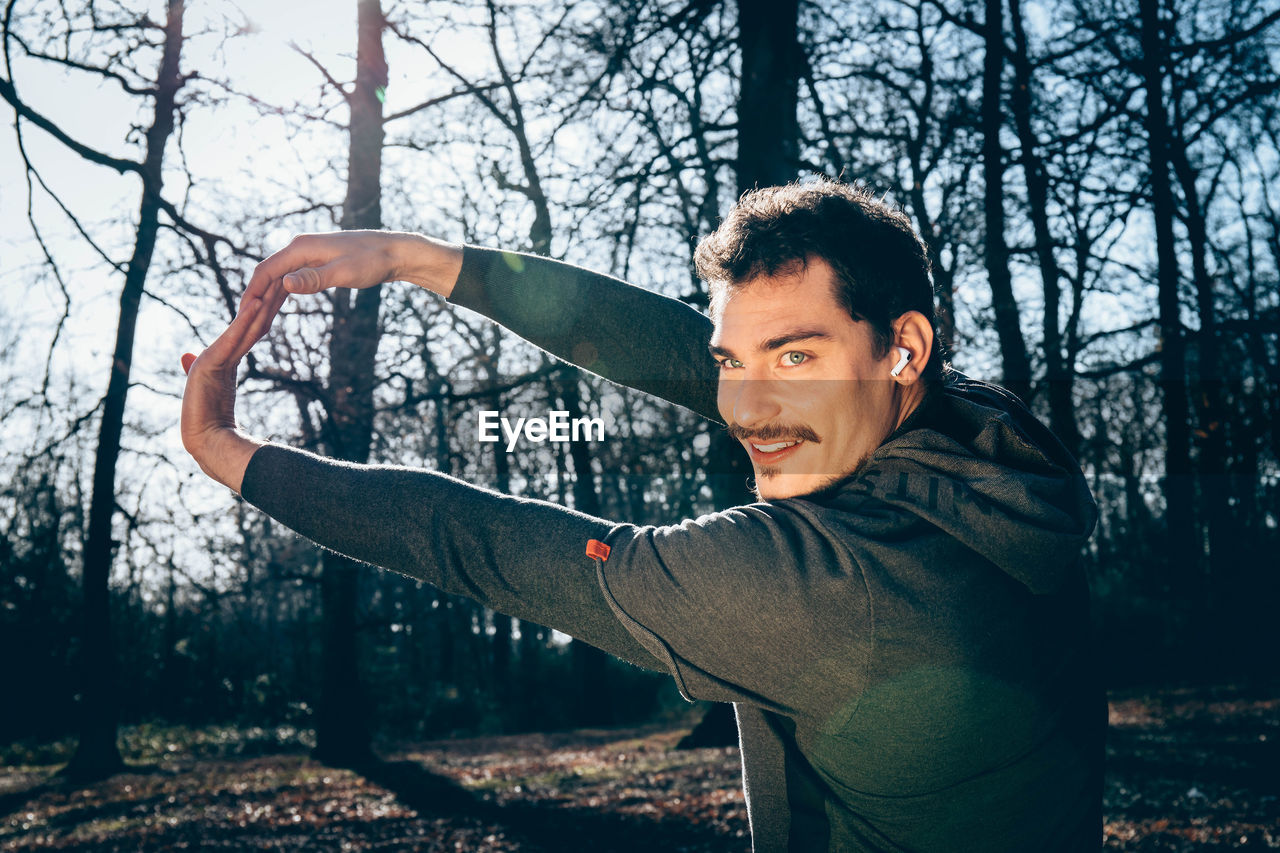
(521, 557)
(626, 334)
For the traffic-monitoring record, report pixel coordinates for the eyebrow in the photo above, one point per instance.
(777, 341)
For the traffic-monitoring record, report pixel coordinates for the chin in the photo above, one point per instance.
(773, 485)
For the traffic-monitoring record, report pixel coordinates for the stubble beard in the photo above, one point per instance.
(768, 472)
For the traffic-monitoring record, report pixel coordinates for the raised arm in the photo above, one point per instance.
(686, 600)
(521, 557)
(692, 599)
(626, 334)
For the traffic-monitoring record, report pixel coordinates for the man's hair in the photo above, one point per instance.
(881, 266)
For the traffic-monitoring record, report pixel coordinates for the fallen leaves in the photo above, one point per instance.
(1187, 770)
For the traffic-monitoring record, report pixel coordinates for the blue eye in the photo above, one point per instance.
(795, 358)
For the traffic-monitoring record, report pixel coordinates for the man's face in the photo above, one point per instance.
(800, 385)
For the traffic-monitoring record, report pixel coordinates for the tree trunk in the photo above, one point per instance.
(590, 664)
(768, 131)
(1183, 565)
(916, 138)
(1062, 416)
(1013, 349)
(97, 755)
(768, 146)
(1228, 564)
(342, 725)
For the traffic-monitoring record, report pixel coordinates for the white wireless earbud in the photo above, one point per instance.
(904, 355)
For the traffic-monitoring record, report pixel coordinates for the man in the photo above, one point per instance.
(901, 622)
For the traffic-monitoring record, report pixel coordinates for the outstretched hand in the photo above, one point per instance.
(358, 259)
(309, 264)
(209, 430)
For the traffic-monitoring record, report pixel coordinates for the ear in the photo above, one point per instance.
(914, 333)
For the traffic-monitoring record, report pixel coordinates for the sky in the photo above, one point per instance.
(238, 156)
(234, 150)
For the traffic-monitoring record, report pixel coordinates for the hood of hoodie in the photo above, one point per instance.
(975, 462)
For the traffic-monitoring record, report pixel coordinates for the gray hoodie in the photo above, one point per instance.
(907, 651)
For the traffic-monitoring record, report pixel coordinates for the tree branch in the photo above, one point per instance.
(346, 96)
(1227, 40)
(440, 99)
(80, 66)
(10, 94)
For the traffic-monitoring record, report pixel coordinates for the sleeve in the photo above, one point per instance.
(521, 557)
(758, 604)
(626, 334)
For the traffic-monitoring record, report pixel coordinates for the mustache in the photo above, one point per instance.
(774, 432)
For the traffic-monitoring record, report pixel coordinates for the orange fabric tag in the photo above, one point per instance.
(597, 549)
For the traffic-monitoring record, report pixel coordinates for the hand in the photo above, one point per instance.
(309, 264)
(209, 430)
(358, 259)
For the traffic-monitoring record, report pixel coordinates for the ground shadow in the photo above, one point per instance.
(539, 827)
(12, 802)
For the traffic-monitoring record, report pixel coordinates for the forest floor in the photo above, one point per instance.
(1188, 769)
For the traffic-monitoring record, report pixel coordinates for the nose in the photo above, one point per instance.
(754, 402)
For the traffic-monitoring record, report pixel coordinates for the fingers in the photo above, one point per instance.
(343, 271)
(305, 280)
(263, 316)
(309, 264)
(274, 301)
(269, 272)
(249, 325)
(298, 262)
(301, 251)
(315, 262)
(252, 321)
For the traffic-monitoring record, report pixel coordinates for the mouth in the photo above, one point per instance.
(775, 447)
(773, 452)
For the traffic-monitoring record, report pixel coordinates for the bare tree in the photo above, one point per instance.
(1058, 380)
(1013, 347)
(96, 753)
(1184, 550)
(342, 724)
(768, 132)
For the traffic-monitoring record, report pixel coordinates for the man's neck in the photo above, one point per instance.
(910, 399)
